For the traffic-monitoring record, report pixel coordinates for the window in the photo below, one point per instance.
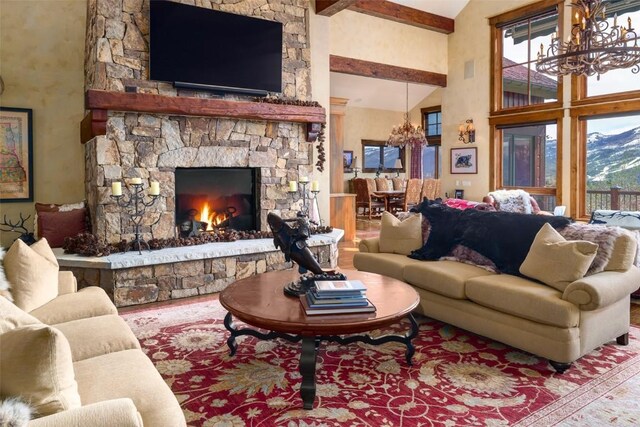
(517, 41)
(526, 111)
(432, 124)
(377, 155)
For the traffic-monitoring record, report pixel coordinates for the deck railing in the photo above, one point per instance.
(613, 199)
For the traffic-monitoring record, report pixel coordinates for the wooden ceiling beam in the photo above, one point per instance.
(403, 14)
(359, 67)
(331, 7)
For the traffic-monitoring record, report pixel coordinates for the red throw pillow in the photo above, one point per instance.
(55, 226)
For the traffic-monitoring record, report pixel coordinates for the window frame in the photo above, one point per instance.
(502, 20)
(527, 119)
(433, 140)
(382, 145)
(579, 117)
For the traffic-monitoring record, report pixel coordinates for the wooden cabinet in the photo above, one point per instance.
(342, 212)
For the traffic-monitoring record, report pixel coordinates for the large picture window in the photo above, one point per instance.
(517, 40)
(377, 155)
(432, 124)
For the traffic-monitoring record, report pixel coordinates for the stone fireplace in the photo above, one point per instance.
(150, 130)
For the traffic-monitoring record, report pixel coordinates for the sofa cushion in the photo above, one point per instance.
(556, 261)
(12, 317)
(88, 302)
(36, 365)
(95, 336)
(442, 277)
(523, 298)
(33, 273)
(129, 373)
(390, 265)
(400, 237)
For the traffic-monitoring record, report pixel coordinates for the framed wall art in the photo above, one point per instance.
(16, 154)
(347, 160)
(464, 160)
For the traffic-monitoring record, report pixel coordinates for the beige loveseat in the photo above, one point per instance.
(523, 313)
(116, 382)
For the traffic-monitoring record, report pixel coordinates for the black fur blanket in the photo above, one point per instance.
(503, 237)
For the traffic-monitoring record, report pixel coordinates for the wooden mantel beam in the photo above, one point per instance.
(359, 67)
(403, 14)
(100, 102)
(331, 7)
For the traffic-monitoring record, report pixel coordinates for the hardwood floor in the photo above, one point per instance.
(364, 230)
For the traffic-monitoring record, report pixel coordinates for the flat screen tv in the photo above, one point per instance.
(207, 49)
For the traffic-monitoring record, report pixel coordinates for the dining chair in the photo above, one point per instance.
(365, 198)
(430, 189)
(411, 197)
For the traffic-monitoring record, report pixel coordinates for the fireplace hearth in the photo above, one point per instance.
(210, 199)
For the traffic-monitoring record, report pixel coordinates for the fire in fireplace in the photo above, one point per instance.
(214, 198)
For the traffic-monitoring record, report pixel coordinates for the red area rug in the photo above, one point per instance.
(457, 378)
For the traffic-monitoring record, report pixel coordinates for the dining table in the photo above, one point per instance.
(388, 195)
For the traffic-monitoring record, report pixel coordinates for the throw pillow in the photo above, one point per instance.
(33, 273)
(400, 237)
(36, 364)
(5, 286)
(12, 317)
(556, 261)
(55, 226)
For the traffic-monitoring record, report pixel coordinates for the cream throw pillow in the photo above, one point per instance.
(400, 237)
(12, 317)
(556, 261)
(33, 273)
(36, 365)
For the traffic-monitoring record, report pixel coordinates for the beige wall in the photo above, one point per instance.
(41, 60)
(360, 36)
(464, 99)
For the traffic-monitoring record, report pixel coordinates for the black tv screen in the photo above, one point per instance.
(192, 46)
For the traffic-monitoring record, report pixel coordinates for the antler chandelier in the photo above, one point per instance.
(594, 46)
(406, 133)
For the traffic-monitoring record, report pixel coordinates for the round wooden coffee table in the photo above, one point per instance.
(260, 302)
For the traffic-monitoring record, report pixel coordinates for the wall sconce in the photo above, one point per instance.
(467, 132)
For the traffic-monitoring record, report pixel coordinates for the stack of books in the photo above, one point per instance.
(337, 297)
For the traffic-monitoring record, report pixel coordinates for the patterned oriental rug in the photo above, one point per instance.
(457, 378)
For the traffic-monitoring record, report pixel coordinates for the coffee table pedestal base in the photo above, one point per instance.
(310, 345)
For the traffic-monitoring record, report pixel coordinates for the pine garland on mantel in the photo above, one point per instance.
(88, 244)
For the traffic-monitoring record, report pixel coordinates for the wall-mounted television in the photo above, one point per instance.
(206, 49)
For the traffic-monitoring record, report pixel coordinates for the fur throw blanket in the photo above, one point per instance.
(14, 413)
(502, 237)
(602, 235)
(517, 201)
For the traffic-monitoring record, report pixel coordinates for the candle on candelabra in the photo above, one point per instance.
(136, 180)
(116, 188)
(315, 186)
(293, 186)
(304, 179)
(154, 188)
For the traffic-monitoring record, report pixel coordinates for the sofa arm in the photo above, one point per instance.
(370, 245)
(116, 412)
(602, 289)
(67, 283)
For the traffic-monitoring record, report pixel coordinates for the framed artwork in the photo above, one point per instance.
(16, 154)
(464, 160)
(347, 160)
(458, 194)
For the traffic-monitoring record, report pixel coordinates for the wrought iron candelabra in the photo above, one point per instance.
(138, 206)
(307, 195)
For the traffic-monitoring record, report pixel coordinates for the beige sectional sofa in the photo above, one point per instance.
(116, 382)
(523, 313)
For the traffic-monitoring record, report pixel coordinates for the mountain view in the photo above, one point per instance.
(612, 160)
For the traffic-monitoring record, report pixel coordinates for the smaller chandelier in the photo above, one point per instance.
(594, 46)
(406, 133)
